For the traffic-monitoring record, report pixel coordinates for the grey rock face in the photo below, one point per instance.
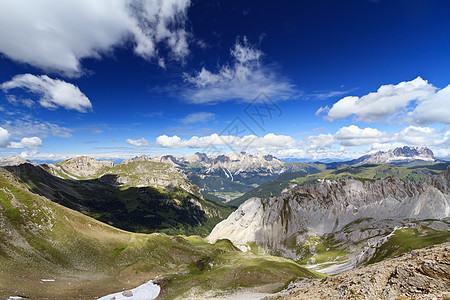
(403, 154)
(423, 275)
(137, 158)
(13, 160)
(84, 166)
(232, 164)
(338, 207)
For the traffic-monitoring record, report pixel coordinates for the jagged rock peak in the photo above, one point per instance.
(412, 151)
(406, 153)
(137, 158)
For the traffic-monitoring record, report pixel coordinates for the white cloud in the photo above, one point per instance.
(4, 137)
(268, 142)
(387, 101)
(418, 136)
(198, 117)
(18, 101)
(355, 136)
(375, 147)
(52, 92)
(324, 109)
(243, 80)
(57, 35)
(26, 142)
(347, 143)
(142, 142)
(320, 141)
(32, 142)
(434, 109)
(26, 125)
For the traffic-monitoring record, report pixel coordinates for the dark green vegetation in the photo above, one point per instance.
(408, 239)
(40, 239)
(374, 171)
(138, 209)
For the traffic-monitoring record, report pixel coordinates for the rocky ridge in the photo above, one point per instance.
(82, 166)
(13, 160)
(420, 274)
(400, 155)
(232, 163)
(362, 212)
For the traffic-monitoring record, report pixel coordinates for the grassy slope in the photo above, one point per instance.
(372, 171)
(138, 209)
(407, 239)
(43, 240)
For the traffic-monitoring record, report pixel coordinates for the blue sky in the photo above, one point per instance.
(299, 79)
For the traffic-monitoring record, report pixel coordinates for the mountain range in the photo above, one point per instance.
(199, 225)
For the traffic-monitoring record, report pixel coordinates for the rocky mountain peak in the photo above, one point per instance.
(137, 158)
(13, 160)
(412, 151)
(84, 166)
(401, 154)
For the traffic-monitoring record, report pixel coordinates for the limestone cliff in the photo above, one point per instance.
(343, 211)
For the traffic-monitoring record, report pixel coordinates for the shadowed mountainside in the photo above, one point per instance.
(138, 209)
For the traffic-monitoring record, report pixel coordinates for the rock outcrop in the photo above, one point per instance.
(400, 155)
(83, 166)
(286, 223)
(421, 274)
(13, 160)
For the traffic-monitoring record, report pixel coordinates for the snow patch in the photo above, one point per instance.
(147, 291)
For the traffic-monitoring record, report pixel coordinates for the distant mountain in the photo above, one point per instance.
(240, 164)
(399, 156)
(13, 160)
(339, 224)
(228, 176)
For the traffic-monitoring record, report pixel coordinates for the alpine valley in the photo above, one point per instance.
(237, 225)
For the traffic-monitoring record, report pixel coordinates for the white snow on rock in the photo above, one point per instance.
(147, 291)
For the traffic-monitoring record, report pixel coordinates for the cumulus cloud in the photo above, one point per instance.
(243, 80)
(320, 141)
(57, 35)
(142, 142)
(53, 93)
(26, 142)
(4, 137)
(418, 136)
(434, 109)
(198, 117)
(268, 142)
(348, 142)
(355, 136)
(387, 101)
(32, 142)
(375, 147)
